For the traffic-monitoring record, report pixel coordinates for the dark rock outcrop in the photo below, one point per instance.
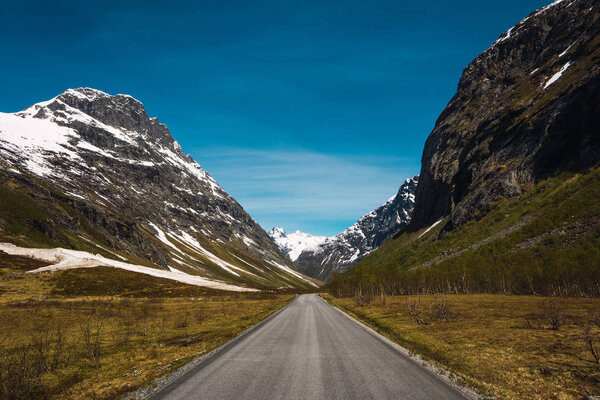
(526, 108)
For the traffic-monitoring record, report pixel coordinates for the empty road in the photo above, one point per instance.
(309, 351)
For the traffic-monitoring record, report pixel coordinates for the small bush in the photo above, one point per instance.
(91, 324)
(592, 340)
(439, 309)
(182, 321)
(554, 313)
(415, 310)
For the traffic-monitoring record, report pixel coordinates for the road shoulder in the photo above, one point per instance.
(165, 381)
(439, 372)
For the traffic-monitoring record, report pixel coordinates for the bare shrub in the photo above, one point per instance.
(163, 322)
(47, 343)
(19, 378)
(383, 295)
(554, 313)
(592, 340)
(439, 309)
(415, 310)
(359, 298)
(199, 316)
(91, 323)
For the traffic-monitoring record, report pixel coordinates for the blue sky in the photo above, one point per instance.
(309, 113)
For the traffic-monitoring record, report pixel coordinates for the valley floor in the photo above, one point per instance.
(100, 333)
(502, 345)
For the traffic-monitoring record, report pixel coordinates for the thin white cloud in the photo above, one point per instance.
(316, 192)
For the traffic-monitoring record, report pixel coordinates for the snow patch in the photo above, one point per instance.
(557, 75)
(195, 245)
(64, 259)
(432, 226)
(292, 272)
(566, 50)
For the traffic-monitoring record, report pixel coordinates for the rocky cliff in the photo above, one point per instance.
(526, 108)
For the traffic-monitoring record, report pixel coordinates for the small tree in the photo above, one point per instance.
(439, 309)
(91, 324)
(554, 313)
(591, 341)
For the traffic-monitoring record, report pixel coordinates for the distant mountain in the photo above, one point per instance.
(319, 256)
(90, 171)
(295, 243)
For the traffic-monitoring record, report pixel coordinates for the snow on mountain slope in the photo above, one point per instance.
(295, 243)
(108, 177)
(64, 259)
(318, 256)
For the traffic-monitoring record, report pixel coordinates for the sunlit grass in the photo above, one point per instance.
(503, 345)
(62, 338)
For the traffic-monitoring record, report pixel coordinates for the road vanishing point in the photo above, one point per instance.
(309, 350)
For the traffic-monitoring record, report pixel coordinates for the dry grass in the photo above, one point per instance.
(88, 346)
(506, 346)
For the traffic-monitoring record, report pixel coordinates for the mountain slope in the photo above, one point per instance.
(508, 196)
(95, 173)
(525, 109)
(319, 257)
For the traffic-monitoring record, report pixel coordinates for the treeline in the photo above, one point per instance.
(537, 271)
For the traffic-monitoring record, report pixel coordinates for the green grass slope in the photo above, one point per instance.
(545, 241)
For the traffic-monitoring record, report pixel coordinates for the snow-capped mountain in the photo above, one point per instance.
(293, 244)
(102, 176)
(318, 256)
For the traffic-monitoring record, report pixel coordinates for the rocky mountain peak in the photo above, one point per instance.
(120, 111)
(123, 170)
(293, 244)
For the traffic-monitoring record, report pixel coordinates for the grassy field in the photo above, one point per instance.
(511, 347)
(100, 333)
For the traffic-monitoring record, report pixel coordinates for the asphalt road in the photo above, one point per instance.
(309, 351)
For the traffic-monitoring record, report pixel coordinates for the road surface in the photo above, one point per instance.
(309, 351)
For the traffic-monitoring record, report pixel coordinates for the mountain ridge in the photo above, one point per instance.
(319, 257)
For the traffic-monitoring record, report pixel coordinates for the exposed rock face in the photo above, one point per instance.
(338, 253)
(130, 180)
(526, 108)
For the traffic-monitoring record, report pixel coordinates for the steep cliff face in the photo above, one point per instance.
(102, 176)
(525, 109)
(319, 256)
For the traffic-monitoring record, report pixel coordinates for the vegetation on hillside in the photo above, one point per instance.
(543, 242)
(36, 214)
